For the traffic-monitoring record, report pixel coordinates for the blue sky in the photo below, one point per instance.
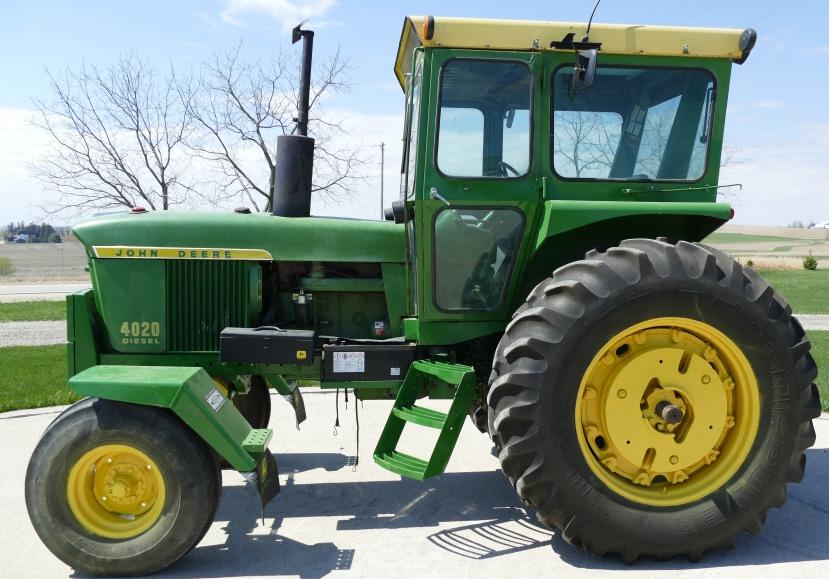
(778, 124)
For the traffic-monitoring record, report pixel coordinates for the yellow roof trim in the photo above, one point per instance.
(537, 35)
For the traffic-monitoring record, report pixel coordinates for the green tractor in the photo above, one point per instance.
(646, 394)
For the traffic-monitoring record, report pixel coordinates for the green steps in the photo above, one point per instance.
(421, 374)
(256, 442)
(422, 416)
(403, 464)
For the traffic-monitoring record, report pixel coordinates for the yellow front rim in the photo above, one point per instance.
(667, 411)
(116, 491)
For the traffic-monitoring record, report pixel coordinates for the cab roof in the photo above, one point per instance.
(432, 32)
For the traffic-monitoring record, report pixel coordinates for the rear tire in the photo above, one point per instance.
(100, 447)
(545, 382)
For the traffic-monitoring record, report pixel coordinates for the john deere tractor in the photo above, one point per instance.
(646, 394)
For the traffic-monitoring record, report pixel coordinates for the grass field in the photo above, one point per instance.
(32, 311)
(33, 376)
(806, 291)
(757, 242)
(820, 350)
(726, 238)
(45, 261)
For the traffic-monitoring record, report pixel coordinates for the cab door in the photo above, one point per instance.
(480, 191)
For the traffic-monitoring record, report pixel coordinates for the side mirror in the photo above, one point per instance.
(584, 73)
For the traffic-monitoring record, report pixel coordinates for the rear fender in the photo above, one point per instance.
(569, 229)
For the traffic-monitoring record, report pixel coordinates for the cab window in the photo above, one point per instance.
(484, 119)
(474, 253)
(412, 128)
(634, 124)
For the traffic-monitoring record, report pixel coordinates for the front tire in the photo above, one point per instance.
(120, 489)
(654, 399)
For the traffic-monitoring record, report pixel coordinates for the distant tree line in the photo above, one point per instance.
(32, 233)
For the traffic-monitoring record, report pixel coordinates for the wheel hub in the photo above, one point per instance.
(115, 491)
(656, 410)
(124, 485)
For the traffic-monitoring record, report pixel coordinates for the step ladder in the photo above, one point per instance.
(421, 373)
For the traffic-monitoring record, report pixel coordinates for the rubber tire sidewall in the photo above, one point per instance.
(563, 488)
(186, 464)
(664, 524)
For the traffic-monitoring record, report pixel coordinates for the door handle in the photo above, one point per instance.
(435, 194)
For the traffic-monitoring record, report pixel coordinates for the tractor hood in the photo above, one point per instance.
(258, 236)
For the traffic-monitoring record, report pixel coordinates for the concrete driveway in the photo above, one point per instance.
(20, 292)
(333, 519)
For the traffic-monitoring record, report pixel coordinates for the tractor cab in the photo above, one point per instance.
(512, 125)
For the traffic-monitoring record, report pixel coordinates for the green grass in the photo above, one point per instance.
(806, 291)
(33, 376)
(32, 311)
(820, 350)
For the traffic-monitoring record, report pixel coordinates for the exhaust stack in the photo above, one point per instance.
(294, 169)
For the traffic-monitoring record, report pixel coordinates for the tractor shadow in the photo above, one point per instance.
(463, 500)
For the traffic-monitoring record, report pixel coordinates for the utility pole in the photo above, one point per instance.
(382, 180)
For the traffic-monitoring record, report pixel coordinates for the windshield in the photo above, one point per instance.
(635, 124)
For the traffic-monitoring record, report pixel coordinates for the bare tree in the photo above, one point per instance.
(584, 144)
(117, 138)
(240, 109)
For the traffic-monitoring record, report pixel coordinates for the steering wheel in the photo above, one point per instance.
(505, 169)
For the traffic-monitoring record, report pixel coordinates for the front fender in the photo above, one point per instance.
(191, 394)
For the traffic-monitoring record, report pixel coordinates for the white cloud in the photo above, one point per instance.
(784, 179)
(367, 131)
(20, 144)
(288, 13)
(768, 104)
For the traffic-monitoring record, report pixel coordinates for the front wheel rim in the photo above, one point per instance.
(667, 411)
(116, 491)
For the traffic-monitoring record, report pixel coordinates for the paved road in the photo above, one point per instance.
(466, 523)
(19, 292)
(814, 321)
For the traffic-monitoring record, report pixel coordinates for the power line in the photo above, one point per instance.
(703, 11)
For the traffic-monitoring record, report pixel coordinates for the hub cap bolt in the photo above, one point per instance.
(674, 459)
(622, 393)
(706, 379)
(669, 413)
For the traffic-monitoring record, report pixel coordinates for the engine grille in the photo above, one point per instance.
(203, 297)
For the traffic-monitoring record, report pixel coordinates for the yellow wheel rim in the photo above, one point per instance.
(116, 491)
(667, 411)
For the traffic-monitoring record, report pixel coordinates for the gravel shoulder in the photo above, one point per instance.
(32, 333)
